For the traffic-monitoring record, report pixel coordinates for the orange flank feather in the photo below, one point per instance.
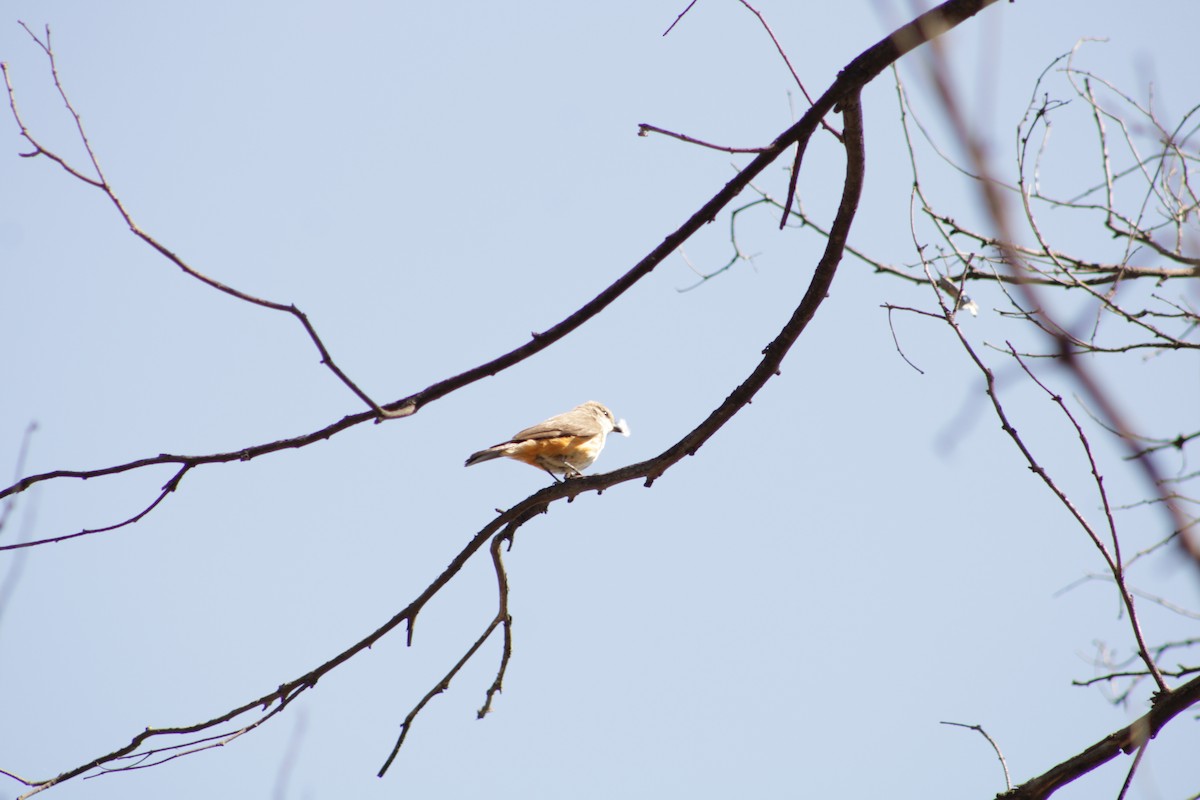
(569, 449)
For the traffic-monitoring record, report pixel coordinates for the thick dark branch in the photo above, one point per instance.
(1127, 740)
(858, 73)
(773, 356)
(193, 461)
(286, 692)
(880, 56)
(539, 502)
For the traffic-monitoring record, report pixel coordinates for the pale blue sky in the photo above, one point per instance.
(789, 614)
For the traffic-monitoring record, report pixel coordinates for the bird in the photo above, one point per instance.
(563, 445)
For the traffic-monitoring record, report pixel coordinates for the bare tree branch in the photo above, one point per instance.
(10, 503)
(1027, 270)
(999, 755)
(866, 67)
(783, 54)
(645, 128)
(1060, 340)
(1127, 740)
(100, 181)
(1114, 561)
(539, 502)
(860, 71)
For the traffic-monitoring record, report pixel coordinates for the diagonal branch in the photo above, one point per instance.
(509, 521)
(880, 56)
(167, 488)
(850, 80)
(783, 54)
(1113, 560)
(502, 618)
(1127, 740)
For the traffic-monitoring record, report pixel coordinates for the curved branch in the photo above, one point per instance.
(502, 618)
(999, 753)
(539, 502)
(167, 488)
(1127, 740)
(101, 183)
(850, 80)
(887, 51)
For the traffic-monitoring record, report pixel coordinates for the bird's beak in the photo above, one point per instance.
(621, 427)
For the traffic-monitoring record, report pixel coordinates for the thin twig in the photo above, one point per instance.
(895, 341)
(100, 181)
(18, 468)
(1000, 755)
(505, 618)
(645, 128)
(1114, 562)
(783, 54)
(167, 488)
(681, 13)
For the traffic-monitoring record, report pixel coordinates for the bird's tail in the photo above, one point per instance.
(483, 455)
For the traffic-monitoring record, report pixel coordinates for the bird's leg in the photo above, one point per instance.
(559, 464)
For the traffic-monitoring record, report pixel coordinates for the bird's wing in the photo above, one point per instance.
(567, 424)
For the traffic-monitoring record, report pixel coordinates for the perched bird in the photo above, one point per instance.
(563, 445)
(960, 300)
